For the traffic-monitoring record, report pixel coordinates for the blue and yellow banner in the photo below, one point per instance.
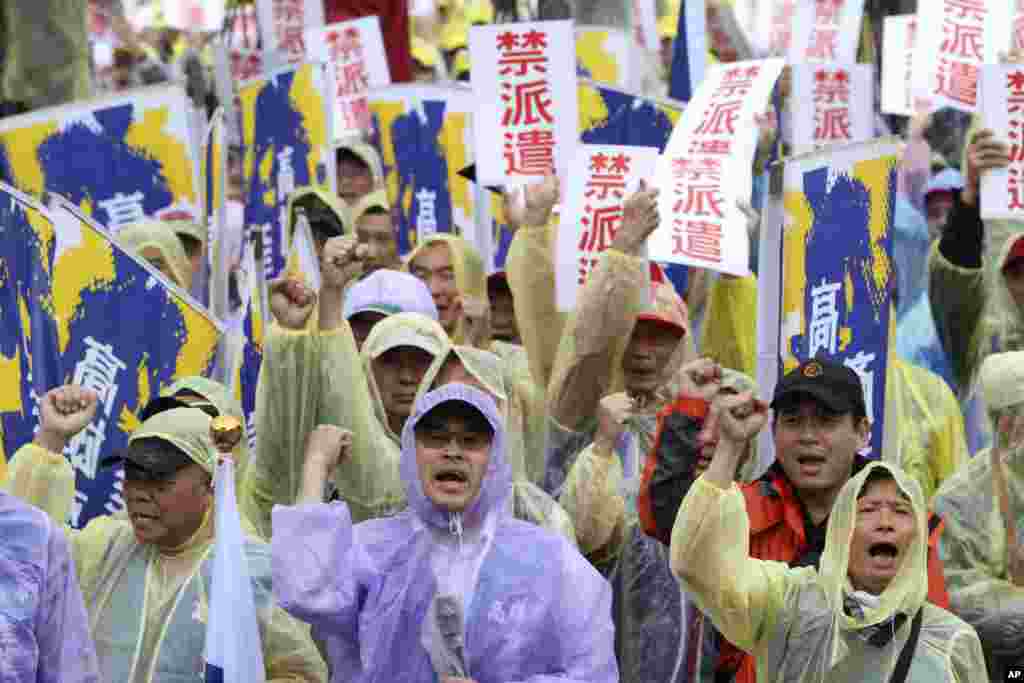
(286, 133)
(425, 137)
(70, 303)
(118, 159)
(837, 273)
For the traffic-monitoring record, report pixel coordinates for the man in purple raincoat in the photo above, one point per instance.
(454, 589)
(44, 630)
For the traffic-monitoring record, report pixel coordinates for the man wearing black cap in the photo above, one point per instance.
(820, 423)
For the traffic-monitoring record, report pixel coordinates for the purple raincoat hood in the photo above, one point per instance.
(496, 487)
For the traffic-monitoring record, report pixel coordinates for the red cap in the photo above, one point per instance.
(1016, 252)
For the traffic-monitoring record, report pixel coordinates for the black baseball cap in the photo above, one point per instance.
(153, 458)
(826, 381)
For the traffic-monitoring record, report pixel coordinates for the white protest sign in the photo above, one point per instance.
(834, 32)
(1002, 106)
(524, 82)
(706, 169)
(954, 38)
(194, 15)
(898, 39)
(728, 40)
(784, 25)
(599, 176)
(282, 27)
(831, 104)
(1017, 40)
(356, 49)
(645, 24)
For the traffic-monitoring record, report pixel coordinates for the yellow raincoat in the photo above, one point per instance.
(470, 272)
(46, 52)
(974, 541)
(924, 422)
(530, 269)
(322, 198)
(148, 607)
(378, 199)
(137, 237)
(369, 156)
(317, 377)
(793, 620)
(530, 502)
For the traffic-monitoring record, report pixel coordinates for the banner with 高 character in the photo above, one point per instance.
(286, 129)
(119, 159)
(70, 303)
(826, 268)
(425, 136)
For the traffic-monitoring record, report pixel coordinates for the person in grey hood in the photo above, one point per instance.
(450, 585)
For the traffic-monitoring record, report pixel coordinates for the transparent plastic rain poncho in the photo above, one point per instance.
(974, 540)
(147, 609)
(793, 620)
(917, 339)
(470, 272)
(651, 630)
(924, 422)
(153, 234)
(43, 623)
(530, 502)
(530, 270)
(372, 588)
(318, 377)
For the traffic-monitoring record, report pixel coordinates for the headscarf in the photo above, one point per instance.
(137, 237)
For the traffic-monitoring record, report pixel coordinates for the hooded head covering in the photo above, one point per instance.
(496, 487)
(187, 228)
(389, 292)
(470, 273)
(137, 237)
(378, 199)
(367, 153)
(226, 404)
(1002, 380)
(188, 429)
(321, 207)
(401, 329)
(907, 591)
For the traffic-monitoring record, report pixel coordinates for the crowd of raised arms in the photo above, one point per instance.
(453, 479)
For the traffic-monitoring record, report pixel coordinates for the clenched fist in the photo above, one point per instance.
(291, 302)
(342, 261)
(639, 219)
(63, 413)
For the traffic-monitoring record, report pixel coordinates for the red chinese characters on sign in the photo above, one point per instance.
(825, 33)
(782, 27)
(602, 212)
(831, 106)
(289, 17)
(345, 48)
(246, 65)
(961, 51)
(1015, 109)
(528, 119)
(698, 211)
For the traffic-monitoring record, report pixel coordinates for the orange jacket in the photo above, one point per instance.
(776, 516)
